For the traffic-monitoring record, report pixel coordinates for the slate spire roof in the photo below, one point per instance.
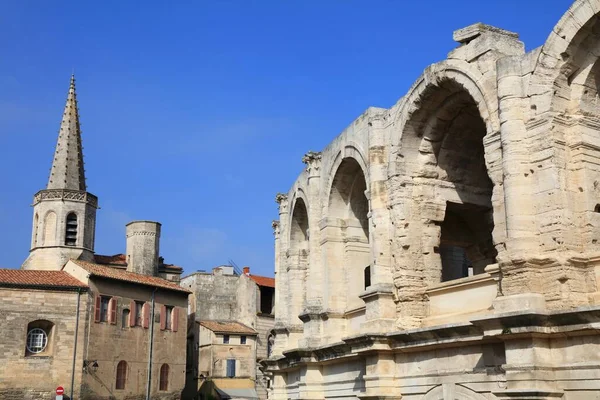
(67, 166)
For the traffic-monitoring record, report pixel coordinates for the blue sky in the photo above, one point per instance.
(196, 113)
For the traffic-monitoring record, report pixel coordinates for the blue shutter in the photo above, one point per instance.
(230, 368)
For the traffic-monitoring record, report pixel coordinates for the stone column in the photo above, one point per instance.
(311, 386)
(281, 283)
(518, 200)
(380, 377)
(379, 297)
(311, 316)
(279, 386)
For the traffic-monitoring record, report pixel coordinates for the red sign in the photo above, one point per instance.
(60, 390)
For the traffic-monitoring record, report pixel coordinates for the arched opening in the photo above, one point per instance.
(39, 338)
(121, 375)
(49, 238)
(298, 259)
(348, 210)
(71, 230)
(164, 378)
(448, 133)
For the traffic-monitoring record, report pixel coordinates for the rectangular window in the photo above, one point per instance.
(125, 318)
(225, 339)
(168, 317)
(139, 313)
(231, 368)
(242, 339)
(104, 300)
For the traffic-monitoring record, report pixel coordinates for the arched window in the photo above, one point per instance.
(38, 337)
(367, 277)
(71, 230)
(36, 223)
(164, 377)
(49, 238)
(121, 375)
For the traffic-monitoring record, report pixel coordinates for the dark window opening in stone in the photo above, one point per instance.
(121, 375)
(367, 277)
(267, 295)
(125, 318)
(164, 378)
(597, 208)
(466, 245)
(71, 230)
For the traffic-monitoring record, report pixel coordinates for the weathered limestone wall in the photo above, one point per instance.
(215, 295)
(143, 247)
(424, 237)
(109, 344)
(33, 377)
(48, 248)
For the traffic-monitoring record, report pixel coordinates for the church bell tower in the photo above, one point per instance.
(64, 214)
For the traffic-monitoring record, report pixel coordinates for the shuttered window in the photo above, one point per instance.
(71, 230)
(231, 368)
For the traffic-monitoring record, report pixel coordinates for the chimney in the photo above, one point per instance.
(246, 271)
(143, 238)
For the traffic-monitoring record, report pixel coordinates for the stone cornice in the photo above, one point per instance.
(66, 194)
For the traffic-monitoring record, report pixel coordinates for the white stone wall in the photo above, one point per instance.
(492, 155)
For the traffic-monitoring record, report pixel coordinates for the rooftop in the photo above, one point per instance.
(263, 280)
(121, 260)
(39, 279)
(227, 327)
(120, 275)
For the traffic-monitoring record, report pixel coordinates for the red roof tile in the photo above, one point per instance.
(227, 327)
(120, 275)
(38, 279)
(263, 280)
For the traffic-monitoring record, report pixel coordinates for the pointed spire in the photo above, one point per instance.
(67, 167)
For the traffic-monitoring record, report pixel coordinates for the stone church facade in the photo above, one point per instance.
(102, 327)
(447, 247)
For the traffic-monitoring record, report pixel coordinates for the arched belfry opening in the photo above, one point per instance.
(451, 161)
(298, 259)
(350, 254)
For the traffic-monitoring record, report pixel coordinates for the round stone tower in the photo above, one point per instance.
(143, 238)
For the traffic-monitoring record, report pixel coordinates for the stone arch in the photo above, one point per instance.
(447, 177)
(425, 97)
(49, 233)
(298, 255)
(348, 238)
(353, 151)
(560, 58)
(452, 392)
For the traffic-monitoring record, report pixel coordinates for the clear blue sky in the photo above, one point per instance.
(196, 113)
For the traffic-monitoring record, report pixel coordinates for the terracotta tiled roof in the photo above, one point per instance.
(117, 259)
(120, 275)
(38, 279)
(227, 327)
(263, 280)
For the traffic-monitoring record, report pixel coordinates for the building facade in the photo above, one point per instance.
(447, 247)
(102, 327)
(224, 297)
